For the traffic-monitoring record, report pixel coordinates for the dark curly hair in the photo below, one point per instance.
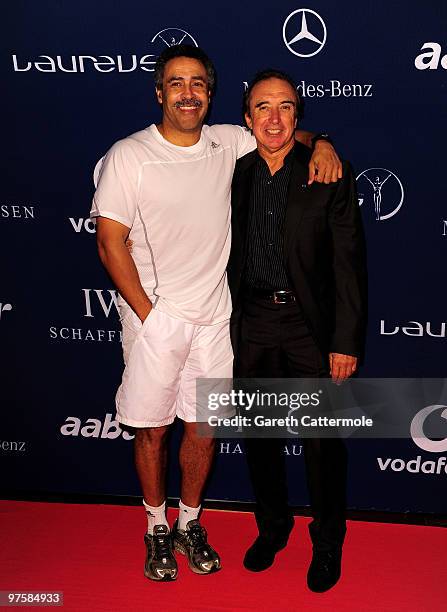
(184, 51)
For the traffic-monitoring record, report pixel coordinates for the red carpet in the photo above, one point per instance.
(95, 554)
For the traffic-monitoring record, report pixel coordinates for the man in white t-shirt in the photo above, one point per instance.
(167, 188)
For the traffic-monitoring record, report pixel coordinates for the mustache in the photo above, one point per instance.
(188, 102)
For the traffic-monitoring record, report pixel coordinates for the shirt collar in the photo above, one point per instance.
(287, 160)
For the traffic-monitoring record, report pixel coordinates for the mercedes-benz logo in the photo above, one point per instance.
(303, 43)
(174, 36)
(377, 182)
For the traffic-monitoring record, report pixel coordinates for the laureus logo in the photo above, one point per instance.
(105, 64)
(382, 191)
(174, 36)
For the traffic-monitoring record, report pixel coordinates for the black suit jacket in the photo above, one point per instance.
(324, 253)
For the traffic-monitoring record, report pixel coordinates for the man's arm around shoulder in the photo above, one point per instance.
(325, 165)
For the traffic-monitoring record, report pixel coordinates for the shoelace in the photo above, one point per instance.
(162, 546)
(197, 537)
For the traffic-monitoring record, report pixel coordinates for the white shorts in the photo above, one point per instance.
(163, 358)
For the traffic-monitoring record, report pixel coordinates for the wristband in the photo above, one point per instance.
(318, 137)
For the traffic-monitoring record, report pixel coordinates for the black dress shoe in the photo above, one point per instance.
(324, 570)
(261, 554)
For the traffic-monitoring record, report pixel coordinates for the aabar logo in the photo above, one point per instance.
(431, 59)
(94, 428)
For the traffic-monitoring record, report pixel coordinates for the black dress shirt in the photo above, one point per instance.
(264, 266)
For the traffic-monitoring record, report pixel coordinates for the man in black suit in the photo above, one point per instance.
(297, 274)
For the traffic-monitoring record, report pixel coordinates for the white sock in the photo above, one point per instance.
(156, 515)
(186, 514)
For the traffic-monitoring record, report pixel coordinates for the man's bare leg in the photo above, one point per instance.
(150, 459)
(196, 458)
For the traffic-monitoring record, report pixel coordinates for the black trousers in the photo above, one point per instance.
(275, 342)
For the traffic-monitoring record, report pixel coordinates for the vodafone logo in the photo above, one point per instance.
(80, 224)
(416, 465)
(417, 429)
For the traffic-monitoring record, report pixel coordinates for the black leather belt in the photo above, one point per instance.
(283, 296)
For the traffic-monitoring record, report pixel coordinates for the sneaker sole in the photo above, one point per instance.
(166, 577)
(179, 548)
(148, 574)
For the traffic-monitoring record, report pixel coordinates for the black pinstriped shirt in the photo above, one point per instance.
(265, 267)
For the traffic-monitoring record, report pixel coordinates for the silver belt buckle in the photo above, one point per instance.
(278, 294)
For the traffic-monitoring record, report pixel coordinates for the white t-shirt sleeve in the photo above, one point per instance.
(245, 141)
(116, 181)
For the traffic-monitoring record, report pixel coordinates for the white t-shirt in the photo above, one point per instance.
(176, 202)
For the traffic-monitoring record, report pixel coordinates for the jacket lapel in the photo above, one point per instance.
(241, 204)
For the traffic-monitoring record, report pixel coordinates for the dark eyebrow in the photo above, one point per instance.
(282, 102)
(180, 78)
